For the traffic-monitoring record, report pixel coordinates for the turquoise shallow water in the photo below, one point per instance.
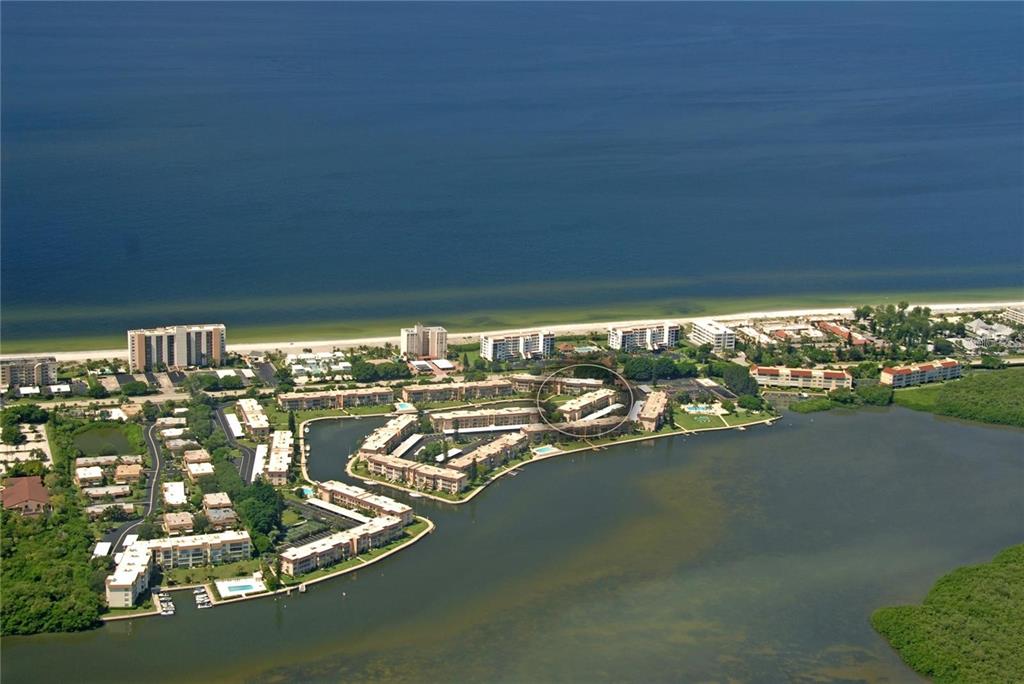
(274, 163)
(751, 556)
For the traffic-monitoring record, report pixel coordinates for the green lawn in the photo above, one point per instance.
(279, 419)
(369, 410)
(144, 607)
(290, 517)
(692, 422)
(742, 417)
(179, 576)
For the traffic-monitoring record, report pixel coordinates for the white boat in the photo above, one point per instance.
(414, 495)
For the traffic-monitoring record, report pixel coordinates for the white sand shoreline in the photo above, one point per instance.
(564, 329)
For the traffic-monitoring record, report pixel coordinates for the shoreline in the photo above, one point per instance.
(461, 337)
(536, 459)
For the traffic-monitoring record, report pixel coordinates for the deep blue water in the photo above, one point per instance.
(263, 163)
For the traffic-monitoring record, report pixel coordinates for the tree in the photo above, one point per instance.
(638, 368)
(737, 379)
(363, 371)
(12, 435)
(728, 406)
(135, 389)
(291, 423)
(749, 402)
(200, 523)
(149, 411)
(473, 471)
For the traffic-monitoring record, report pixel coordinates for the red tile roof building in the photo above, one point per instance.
(26, 495)
(805, 378)
(919, 373)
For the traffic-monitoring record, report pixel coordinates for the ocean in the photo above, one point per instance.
(327, 165)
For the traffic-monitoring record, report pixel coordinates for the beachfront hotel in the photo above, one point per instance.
(351, 496)
(28, 371)
(654, 411)
(429, 342)
(335, 399)
(276, 471)
(457, 391)
(804, 378)
(131, 575)
(340, 546)
(649, 337)
(388, 436)
(492, 454)
(707, 331)
(585, 404)
(557, 384)
(482, 420)
(177, 345)
(533, 344)
(920, 373)
(253, 417)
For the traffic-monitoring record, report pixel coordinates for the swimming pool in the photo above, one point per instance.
(545, 450)
(701, 409)
(307, 491)
(240, 586)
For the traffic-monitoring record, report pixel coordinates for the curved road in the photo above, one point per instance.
(248, 455)
(116, 537)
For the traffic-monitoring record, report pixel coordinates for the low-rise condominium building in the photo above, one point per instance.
(351, 496)
(491, 455)
(388, 436)
(196, 456)
(174, 494)
(280, 459)
(109, 490)
(481, 420)
(124, 474)
(91, 475)
(335, 399)
(418, 475)
(177, 345)
(554, 384)
(420, 341)
(720, 337)
(920, 373)
(533, 344)
(194, 471)
(804, 378)
(28, 371)
(654, 412)
(131, 575)
(650, 337)
(254, 418)
(178, 523)
(849, 335)
(457, 391)
(588, 403)
(340, 546)
(216, 500)
(106, 461)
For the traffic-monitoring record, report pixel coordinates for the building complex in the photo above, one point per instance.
(457, 391)
(920, 373)
(422, 341)
(517, 345)
(280, 460)
(177, 345)
(384, 439)
(491, 455)
(804, 378)
(351, 496)
(557, 384)
(482, 420)
(720, 337)
(340, 546)
(28, 371)
(650, 337)
(654, 411)
(586, 404)
(253, 417)
(335, 399)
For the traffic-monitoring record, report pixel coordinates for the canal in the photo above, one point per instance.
(750, 556)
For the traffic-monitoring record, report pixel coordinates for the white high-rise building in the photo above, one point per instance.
(707, 331)
(177, 345)
(424, 342)
(524, 345)
(649, 337)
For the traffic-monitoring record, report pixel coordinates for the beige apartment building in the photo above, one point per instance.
(920, 373)
(340, 546)
(28, 371)
(482, 419)
(427, 342)
(385, 438)
(554, 385)
(351, 496)
(457, 391)
(585, 404)
(253, 418)
(804, 378)
(335, 399)
(177, 346)
(491, 455)
(654, 411)
(280, 459)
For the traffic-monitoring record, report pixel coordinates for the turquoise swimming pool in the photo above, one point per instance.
(239, 586)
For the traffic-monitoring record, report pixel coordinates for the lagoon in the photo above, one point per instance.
(755, 556)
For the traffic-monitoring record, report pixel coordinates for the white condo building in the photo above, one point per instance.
(424, 341)
(707, 331)
(660, 336)
(517, 345)
(177, 345)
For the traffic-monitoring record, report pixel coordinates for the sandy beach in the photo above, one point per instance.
(461, 337)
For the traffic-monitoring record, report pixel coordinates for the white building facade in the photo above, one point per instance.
(660, 336)
(517, 345)
(707, 331)
(177, 345)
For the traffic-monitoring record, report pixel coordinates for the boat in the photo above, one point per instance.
(414, 495)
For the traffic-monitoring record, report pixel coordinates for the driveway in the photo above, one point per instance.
(116, 536)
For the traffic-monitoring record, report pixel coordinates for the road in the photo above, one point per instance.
(248, 455)
(116, 537)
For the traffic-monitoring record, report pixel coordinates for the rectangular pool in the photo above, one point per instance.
(240, 586)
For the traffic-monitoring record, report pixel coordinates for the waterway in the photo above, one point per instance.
(742, 556)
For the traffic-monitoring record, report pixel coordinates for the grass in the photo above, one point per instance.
(144, 607)
(290, 517)
(690, 422)
(279, 419)
(617, 304)
(995, 397)
(742, 417)
(969, 628)
(370, 410)
(207, 572)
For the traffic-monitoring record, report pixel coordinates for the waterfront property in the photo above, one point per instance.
(557, 384)
(654, 411)
(253, 417)
(430, 342)
(351, 496)
(580, 429)
(177, 345)
(517, 345)
(280, 459)
(803, 378)
(585, 404)
(920, 373)
(720, 337)
(28, 371)
(131, 575)
(491, 455)
(418, 475)
(385, 438)
(481, 420)
(649, 337)
(340, 546)
(335, 399)
(457, 391)
(106, 461)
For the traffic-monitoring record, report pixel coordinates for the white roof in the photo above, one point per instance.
(199, 469)
(180, 410)
(60, 389)
(130, 539)
(171, 433)
(260, 462)
(174, 493)
(25, 391)
(225, 373)
(234, 424)
(101, 549)
(248, 373)
(89, 473)
(338, 510)
(444, 364)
